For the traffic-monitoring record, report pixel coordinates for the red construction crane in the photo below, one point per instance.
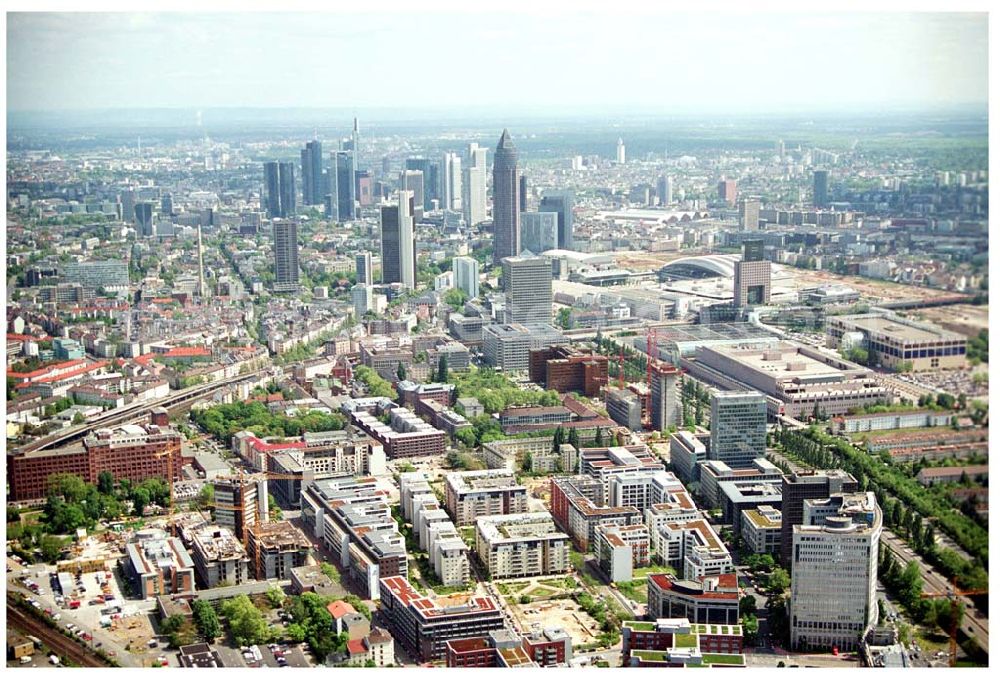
(953, 594)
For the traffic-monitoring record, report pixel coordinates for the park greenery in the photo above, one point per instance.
(245, 622)
(72, 503)
(224, 420)
(376, 385)
(495, 391)
(312, 623)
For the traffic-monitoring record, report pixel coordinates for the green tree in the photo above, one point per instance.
(400, 371)
(946, 401)
(245, 621)
(467, 435)
(442, 370)
(295, 633)
(51, 548)
(178, 629)
(574, 438)
(206, 620)
(275, 596)
(206, 497)
(779, 581)
(106, 482)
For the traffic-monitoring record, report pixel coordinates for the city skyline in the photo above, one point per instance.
(89, 61)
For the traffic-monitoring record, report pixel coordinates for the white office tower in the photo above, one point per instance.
(474, 186)
(834, 569)
(407, 241)
(620, 154)
(527, 285)
(363, 298)
(466, 275)
(451, 182)
(363, 268)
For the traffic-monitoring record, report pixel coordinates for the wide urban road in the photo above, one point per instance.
(974, 624)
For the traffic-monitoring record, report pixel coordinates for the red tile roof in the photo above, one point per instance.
(340, 609)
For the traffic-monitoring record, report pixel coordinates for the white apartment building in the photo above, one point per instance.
(526, 544)
(692, 548)
(470, 495)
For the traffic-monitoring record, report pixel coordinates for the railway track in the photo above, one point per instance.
(60, 645)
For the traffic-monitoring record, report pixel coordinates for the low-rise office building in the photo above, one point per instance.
(276, 548)
(676, 642)
(799, 380)
(578, 507)
(894, 341)
(761, 530)
(158, 564)
(708, 599)
(425, 625)
(715, 472)
(219, 557)
(692, 548)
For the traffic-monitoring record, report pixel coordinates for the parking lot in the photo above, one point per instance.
(127, 626)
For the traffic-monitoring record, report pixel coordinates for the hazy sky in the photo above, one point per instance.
(715, 62)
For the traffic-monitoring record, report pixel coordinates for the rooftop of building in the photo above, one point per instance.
(900, 328)
(762, 519)
(720, 587)
(521, 526)
(280, 536)
(784, 361)
(217, 544)
(482, 480)
(461, 604)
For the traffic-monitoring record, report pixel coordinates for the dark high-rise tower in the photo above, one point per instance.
(144, 218)
(506, 202)
(286, 255)
(273, 204)
(312, 174)
(522, 192)
(799, 487)
(560, 202)
(286, 189)
(390, 244)
(752, 276)
(343, 169)
(821, 188)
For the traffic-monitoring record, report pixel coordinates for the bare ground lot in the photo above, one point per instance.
(965, 319)
(565, 614)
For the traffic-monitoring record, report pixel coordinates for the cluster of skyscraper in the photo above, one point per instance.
(427, 185)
